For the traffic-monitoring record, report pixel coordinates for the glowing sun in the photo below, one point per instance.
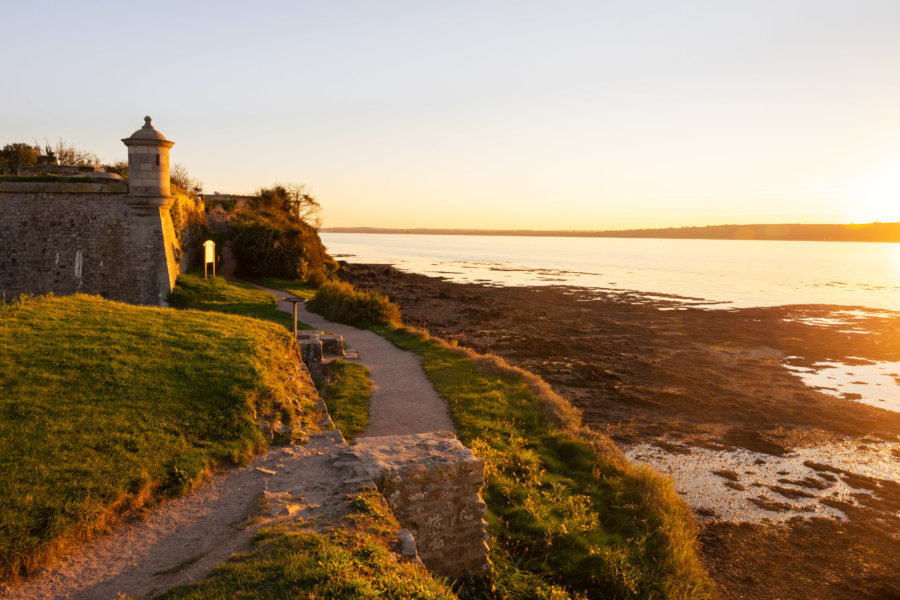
(877, 198)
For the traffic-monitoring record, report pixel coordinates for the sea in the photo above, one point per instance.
(711, 273)
(856, 278)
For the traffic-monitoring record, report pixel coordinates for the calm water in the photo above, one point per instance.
(724, 272)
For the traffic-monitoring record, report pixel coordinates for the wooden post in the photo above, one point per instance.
(294, 300)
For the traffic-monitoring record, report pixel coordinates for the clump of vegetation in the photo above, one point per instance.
(19, 155)
(189, 222)
(340, 301)
(274, 235)
(352, 558)
(346, 389)
(568, 515)
(106, 406)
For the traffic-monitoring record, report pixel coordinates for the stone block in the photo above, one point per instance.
(432, 482)
(332, 345)
(311, 351)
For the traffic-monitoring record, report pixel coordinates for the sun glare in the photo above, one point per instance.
(878, 197)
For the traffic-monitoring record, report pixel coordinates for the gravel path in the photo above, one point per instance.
(403, 400)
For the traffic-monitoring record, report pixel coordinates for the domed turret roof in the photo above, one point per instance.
(147, 133)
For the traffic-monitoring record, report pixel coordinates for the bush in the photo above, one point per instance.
(265, 244)
(339, 301)
(265, 249)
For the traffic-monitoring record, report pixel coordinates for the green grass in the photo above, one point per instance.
(565, 509)
(107, 406)
(350, 559)
(301, 289)
(233, 297)
(346, 389)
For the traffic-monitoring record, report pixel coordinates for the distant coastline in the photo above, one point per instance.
(867, 232)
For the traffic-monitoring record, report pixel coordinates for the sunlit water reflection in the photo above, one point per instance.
(867, 382)
(723, 273)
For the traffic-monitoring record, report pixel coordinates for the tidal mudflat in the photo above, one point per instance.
(793, 480)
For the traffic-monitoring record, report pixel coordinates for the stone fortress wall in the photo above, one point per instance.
(109, 237)
(68, 238)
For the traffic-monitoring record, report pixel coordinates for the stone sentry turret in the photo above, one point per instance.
(97, 236)
(148, 169)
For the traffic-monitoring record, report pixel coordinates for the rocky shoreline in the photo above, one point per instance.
(794, 494)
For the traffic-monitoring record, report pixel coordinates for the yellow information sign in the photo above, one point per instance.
(209, 248)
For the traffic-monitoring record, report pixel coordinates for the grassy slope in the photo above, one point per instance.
(233, 297)
(346, 389)
(106, 405)
(565, 507)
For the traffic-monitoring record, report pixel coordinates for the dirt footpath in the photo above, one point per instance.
(181, 541)
(403, 400)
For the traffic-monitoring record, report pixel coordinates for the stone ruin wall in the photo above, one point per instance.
(431, 483)
(84, 237)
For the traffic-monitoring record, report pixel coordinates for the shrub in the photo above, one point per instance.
(266, 245)
(339, 301)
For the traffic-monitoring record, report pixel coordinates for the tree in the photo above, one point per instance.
(180, 177)
(18, 155)
(70, 156)
(302, 205)
(293, 199)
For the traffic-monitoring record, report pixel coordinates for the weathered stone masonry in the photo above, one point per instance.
(57, 239)
(101, 238)
(431, 482)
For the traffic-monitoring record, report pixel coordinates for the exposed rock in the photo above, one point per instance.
(431, 482)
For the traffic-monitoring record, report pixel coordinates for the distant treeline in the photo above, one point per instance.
(868, 232)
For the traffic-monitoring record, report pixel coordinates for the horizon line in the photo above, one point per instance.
(875, 231)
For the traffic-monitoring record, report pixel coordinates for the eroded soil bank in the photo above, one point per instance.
(796, 490)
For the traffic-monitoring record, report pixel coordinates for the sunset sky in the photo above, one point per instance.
(537, 115)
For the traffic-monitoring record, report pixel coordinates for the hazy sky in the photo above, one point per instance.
(541, 115)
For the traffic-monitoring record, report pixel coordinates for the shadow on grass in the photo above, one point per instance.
(227, 296)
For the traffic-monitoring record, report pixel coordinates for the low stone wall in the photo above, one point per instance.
(432, 482)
